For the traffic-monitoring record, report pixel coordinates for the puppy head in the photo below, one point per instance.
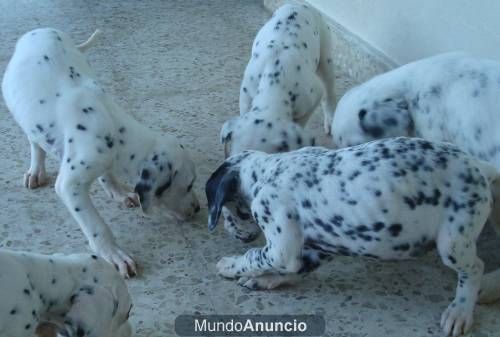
(166, 180)
(223, 191)
(238, 221)
(264, 134)
(98, 312)
(364, 114)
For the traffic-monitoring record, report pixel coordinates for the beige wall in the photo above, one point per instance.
(406, 30)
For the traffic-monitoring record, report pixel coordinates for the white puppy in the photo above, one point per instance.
(290, 68)
(44, 293)
(52, 93)
(450, 97)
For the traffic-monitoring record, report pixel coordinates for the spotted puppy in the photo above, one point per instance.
(52, 93)
(43, 293)
(450, 97)
(290, 68)
(387, 199)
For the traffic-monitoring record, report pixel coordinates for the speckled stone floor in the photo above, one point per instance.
(176, 66)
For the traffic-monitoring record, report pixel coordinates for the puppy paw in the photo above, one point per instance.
(226, 267)
(257, 283)
(34, 180)
(121, 260)
(457, 319)
(327, 126)
(132, 200)
(265, 282)
(250, 283)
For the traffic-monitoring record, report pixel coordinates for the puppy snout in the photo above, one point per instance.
(195, 204)
(195, 208)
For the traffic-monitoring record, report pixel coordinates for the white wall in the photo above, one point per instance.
(406, 30)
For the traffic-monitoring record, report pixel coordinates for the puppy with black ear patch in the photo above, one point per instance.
(69, 295)
(52, 93)
(288, 73)
(389, 199)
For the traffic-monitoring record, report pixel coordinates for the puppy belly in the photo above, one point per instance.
(382, 240)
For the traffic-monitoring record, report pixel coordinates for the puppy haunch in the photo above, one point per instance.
(288, 73)
(450, 97)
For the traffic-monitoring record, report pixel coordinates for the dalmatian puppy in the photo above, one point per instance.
(389, 199)
(289, 71)
(45, 294)
(451, 97)
(52, 93)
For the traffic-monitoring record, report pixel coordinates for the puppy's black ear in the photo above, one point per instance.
(226, 134)
(221, 187)
(387, 118)
(226, 131)
(143, 188)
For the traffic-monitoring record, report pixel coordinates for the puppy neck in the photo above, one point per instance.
(136, 143)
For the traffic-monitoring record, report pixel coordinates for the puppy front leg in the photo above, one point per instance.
(281, 255)
(74, 193)
(36, 175)
(117, 192)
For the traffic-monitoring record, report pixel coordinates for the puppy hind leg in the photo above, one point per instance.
(306, 103)
(327, 75)
(458, 251)
(36, 175)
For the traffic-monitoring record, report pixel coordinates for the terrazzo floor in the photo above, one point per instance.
(176, 66)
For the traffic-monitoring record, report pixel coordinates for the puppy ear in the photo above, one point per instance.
(387, 118)
(221, 187)
(143, 188)
(226, 131)
(226, 134)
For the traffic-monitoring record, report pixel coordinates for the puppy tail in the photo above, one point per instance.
(90, 42)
